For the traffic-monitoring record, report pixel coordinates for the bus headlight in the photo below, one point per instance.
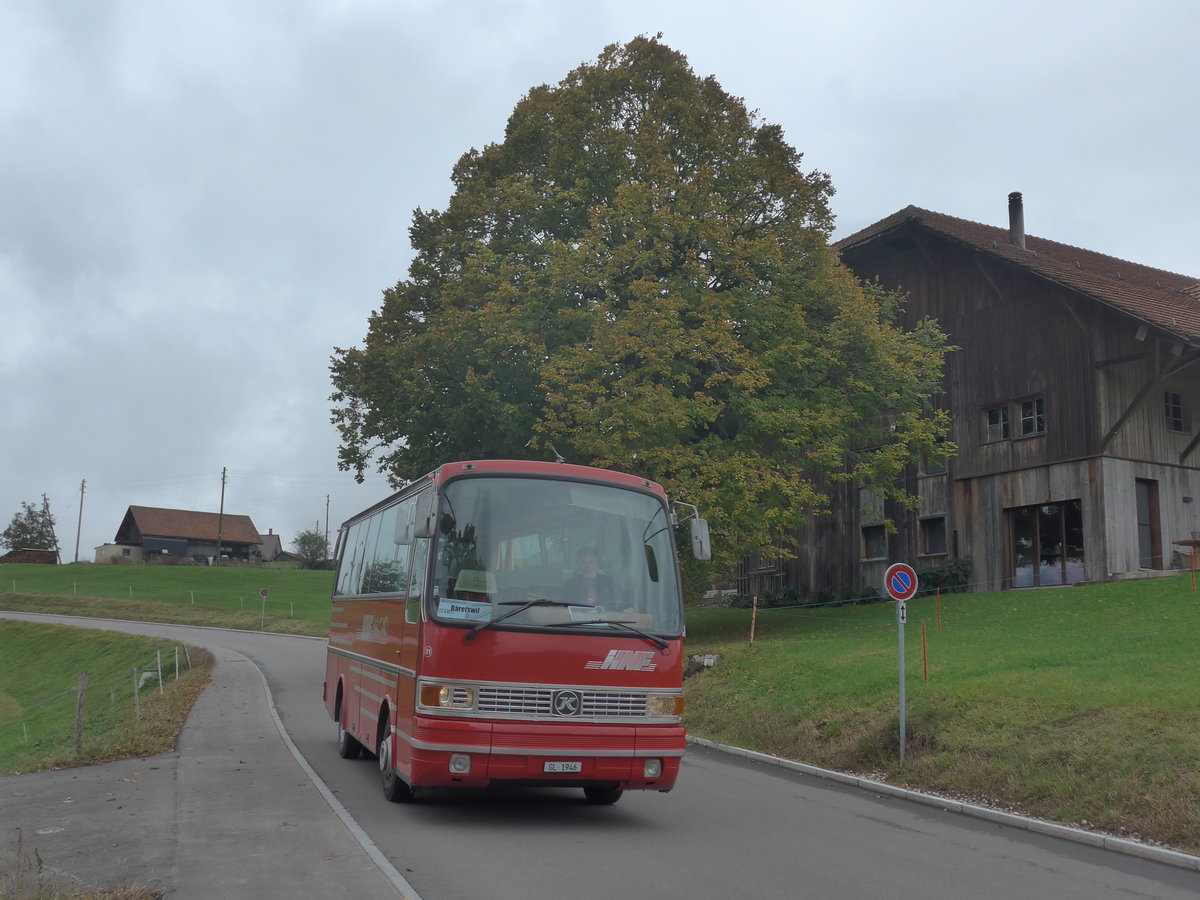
(665, 706)
(447, 696)
(652, 768)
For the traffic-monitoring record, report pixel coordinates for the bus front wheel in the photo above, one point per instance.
(394, 787)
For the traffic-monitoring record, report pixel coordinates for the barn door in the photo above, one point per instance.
(1149, 537)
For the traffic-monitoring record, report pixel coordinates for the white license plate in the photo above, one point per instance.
(562, 767)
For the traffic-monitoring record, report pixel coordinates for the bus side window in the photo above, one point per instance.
(385, 569)
(352, 551)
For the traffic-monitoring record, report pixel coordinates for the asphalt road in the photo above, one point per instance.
(732, 828)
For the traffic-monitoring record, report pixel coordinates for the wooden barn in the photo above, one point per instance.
(149, 531)
(1073, 401)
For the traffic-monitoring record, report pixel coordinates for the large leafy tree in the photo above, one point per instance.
(640, 275)
(312, 548)
(31, 529)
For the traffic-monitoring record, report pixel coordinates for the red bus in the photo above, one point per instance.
(506, 622)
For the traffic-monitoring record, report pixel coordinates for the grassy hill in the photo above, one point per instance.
(1073, 704)
(38, 702)
(297, 600)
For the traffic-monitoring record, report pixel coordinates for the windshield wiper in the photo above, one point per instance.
(652, 638)
(521, 606)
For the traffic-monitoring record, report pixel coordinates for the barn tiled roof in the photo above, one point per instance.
(1165, 299)
(186, 523)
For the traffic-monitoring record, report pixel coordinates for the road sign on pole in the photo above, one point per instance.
(900, 582)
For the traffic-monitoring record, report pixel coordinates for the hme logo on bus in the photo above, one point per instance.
(628, 660)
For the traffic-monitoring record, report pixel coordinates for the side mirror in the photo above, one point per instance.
(701, 543)
(425, 516)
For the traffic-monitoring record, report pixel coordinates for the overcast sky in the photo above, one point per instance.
(199, 201)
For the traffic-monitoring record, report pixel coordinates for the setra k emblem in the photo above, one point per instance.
(566, 703)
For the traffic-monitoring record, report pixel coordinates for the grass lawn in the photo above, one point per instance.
(39, 704)
(297, 600)
(39, 691)
(1074, 704)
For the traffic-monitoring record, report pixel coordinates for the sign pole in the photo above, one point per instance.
(901, 617)
(900, 582)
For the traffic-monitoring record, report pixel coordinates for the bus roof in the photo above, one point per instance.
(477, 467)
(539, 467)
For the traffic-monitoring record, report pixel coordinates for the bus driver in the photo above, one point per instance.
(588, 586)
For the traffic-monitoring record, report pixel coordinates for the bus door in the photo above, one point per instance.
(406, 649)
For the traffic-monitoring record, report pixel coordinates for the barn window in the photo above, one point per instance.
(996, 420)
(1033, 416)
(1046, 544)
(935, 465)
(874, 542)
(933, 536)
(1173, 407)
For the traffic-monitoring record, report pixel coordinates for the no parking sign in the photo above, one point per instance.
(900, 582)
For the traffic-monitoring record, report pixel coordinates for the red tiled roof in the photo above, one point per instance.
(186, 523)
(1166, 299)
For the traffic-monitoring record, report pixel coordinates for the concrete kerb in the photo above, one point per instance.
(1012, 820)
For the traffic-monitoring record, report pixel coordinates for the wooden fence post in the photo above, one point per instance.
(79, 712)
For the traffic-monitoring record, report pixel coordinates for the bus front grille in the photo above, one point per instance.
(539, 702)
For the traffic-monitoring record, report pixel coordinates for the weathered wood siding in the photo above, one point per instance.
(1102, 383)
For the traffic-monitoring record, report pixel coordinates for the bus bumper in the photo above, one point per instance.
(477, 754)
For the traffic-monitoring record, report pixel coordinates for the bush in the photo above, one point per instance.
(955, 575)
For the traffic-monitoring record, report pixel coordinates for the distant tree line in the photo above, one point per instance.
(31, 529)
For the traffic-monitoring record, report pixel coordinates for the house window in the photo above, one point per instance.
(1033, 416)
(1046, 544)
(1173, 407)
(874, 542)
(933, 536)
(996, 420)
(934, 466)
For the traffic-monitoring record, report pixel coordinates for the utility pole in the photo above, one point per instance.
(326, 526)
(79, 526)
(220, 516)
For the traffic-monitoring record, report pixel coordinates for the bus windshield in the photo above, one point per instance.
(573, 554)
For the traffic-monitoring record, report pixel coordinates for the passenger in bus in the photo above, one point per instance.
(588, 586)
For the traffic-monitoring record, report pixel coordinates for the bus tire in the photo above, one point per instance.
(395, 789)
(602, 796)
(348, 745)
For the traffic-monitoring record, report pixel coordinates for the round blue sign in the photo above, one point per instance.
(900, 581)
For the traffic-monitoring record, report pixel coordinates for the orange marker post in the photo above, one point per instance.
(924, 651)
